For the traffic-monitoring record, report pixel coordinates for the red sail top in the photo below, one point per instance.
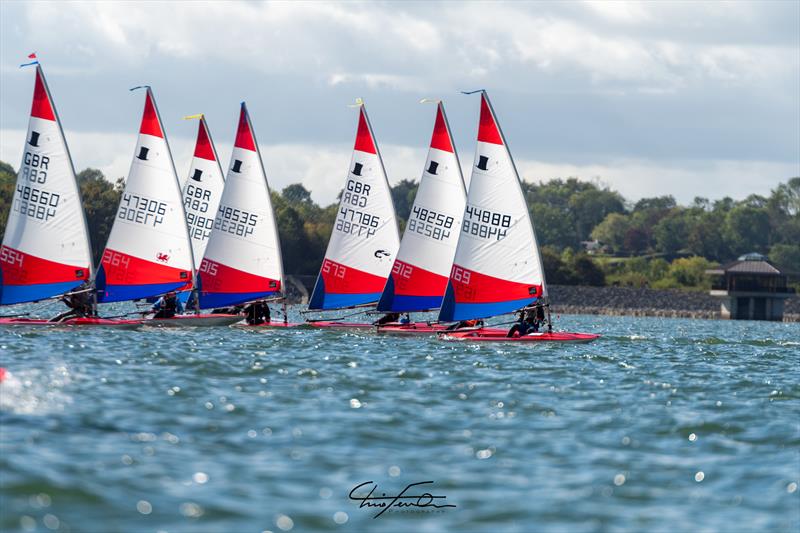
(364, 141)
(41, 108)
(150, 124)
(441, 137)
(244, 136)
(488, 131)
(203, 148)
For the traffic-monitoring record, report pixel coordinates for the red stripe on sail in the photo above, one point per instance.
(124, 269)
(216, 277)
(244, 137)
(41, 108)
(441, 137)
(342, 279)
(488, 131)
(150, 124)
(473, 287)
(364, 140)
(202, 148)
(410, 280)
(20, 268)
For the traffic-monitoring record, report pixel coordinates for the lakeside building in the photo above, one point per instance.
(751, 288)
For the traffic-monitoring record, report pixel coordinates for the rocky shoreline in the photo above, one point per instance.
(673, 303)
(617, 301)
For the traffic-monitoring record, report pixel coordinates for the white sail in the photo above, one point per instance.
(497, 267)
(148, 251)
(364, 240)
(243, 257)
(420, 272)
(46, 248)
(202, 191)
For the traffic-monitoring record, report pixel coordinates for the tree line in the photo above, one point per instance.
(651, 242)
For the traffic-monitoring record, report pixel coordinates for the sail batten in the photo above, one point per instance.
(497, 267)
(45, 250)
(420, 272)
(364, 240)
(242, 260)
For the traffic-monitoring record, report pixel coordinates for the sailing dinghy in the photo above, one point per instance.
(364, 240)
(420, 273)
(149, 252)
(46, 251)
(498, 266)
(202, 190)
(242, 261)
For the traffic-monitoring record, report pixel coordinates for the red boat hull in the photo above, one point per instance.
(415, 328)
(97, 322)
(276, 324)
(499, 335)
(340, 325)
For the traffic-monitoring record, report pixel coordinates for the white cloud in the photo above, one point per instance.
(653, 96)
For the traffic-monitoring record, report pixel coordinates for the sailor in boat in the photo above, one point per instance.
(80, 303)
(257, 313)
(530, 320)
(405, 319)
(167, 306)
(388, 318)
(474, 323)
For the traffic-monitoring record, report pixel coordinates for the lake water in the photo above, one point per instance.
(662, 424)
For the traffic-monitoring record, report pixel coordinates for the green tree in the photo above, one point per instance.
(612, 231)
(552, 227)
(556, 271)
(590, 207)
(671, 233)
(786, 256)
(8, 178)
(403, 195)
(691, 272)
(705, 236)
(586, 272)
(100, 200)
(296, 194)
(747, 229)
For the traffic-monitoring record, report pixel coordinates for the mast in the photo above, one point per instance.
(275, 231)
(40, 72)
(177, 184)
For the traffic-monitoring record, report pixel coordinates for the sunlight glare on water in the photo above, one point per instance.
(662, 421)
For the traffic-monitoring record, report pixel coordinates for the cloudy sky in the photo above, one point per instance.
(684, 98)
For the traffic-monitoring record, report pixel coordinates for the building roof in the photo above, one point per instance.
(747, 264)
